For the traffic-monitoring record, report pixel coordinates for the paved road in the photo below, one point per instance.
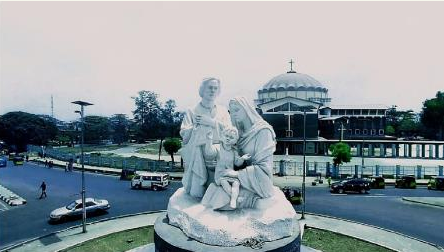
(383, 208)
(30, 220)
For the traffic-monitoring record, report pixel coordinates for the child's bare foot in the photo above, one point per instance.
(233, 203)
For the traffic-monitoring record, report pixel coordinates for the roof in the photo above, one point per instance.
(293, 80)
(358, 106)
(143, 173)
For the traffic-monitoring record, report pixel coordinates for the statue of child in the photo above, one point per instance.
(227, 156)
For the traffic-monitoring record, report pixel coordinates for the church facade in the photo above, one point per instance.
(290, 99)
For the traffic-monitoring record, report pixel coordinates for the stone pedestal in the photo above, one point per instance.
(171, 238)
(190, 226)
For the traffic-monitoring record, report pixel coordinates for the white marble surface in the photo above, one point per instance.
(272, 218)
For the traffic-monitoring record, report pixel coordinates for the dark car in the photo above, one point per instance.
(293, 194)
(18, 160)
(407, 181)
(377, 182)
(351, 185)
(436, 183)
(127, 174)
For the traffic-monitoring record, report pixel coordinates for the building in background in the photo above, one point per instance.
(283, 100)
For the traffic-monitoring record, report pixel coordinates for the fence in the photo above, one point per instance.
(136, 163)
(292, 168)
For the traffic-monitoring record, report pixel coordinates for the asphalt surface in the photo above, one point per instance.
(31, 220)
(383, 207)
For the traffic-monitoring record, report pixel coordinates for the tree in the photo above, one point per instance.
(171, 146)
(341, 153)
(402, 123)
(19, 129)
(170, 121)
(432, 115)
(119, 128)
(96, 129)
(146, 115)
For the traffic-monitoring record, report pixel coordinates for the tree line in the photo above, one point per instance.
(152, 120)
(429, 123)
(156, 120)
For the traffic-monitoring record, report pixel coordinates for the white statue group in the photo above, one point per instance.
(213, 141)
(228, 160)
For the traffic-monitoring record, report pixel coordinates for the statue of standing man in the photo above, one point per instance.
(197, 124)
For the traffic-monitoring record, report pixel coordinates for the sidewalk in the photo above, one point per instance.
(72, 236)
(433, 201)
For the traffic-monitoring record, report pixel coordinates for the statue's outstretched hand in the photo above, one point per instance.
(246, 157)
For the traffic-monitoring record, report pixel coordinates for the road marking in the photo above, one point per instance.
(4, 206)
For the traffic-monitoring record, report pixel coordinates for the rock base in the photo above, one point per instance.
(272, 219)
(171, 238)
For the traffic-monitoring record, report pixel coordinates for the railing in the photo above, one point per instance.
(293, 168)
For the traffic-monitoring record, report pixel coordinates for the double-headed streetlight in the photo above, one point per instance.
(304, 109)
(81, 112)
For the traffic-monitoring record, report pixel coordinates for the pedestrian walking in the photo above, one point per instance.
(329, 181)
(46, 163)
(43, 187)
(67, 166)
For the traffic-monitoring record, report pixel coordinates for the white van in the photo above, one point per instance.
(151, 180)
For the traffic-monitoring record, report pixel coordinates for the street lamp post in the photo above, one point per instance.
(303, 170)
(82, 105)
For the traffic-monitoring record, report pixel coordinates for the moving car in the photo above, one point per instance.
(18, 160)
(151, 180)
(351, 185)
(75, 208)
(407, 181)
(3, 161)
(377, 182)
(293, 194)
(436, 183)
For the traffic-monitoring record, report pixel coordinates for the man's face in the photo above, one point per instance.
(211, 90)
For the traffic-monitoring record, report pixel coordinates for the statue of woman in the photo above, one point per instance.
(257, 138)
(206, 117)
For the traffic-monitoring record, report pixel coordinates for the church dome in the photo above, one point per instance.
(293, 81)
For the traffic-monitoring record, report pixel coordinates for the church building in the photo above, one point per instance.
(290, 99)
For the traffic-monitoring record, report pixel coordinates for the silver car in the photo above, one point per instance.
(75, 209)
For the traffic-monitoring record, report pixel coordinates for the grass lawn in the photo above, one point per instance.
(331, 242)
(91, 148)
(121, 241)
(314, 238)
(150, 148)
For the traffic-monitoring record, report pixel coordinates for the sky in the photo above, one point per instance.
(387, 53)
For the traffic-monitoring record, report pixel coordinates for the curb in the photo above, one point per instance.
(376, 227)
(13, 246)
(10, 197)
(421, 202)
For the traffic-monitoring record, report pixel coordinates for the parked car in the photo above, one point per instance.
(18, 160)
(377, 182)
(151, 180)
(3, 161)
(436, 183)
(75, 208)
(293, 194)
(351, 185)
(407, 181)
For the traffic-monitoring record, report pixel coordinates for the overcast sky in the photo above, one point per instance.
(388, 53)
